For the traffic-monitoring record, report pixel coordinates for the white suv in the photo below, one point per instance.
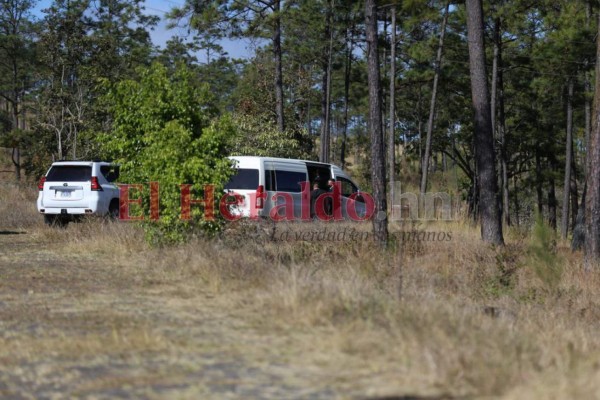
(77, 188)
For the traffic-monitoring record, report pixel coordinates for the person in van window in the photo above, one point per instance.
(330, 184)
(318, 180)
(329, 200)
(314, 195)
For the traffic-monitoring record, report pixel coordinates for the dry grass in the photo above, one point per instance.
(17, 206)
(92, 310)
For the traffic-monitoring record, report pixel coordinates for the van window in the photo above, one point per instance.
(347, 187)
(319, 173)
(288, 181)
(243, 179)
(69, 173)
(270, 180)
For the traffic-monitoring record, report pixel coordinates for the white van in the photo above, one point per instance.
(265, 183)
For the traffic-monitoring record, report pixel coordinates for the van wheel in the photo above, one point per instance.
(113, 209)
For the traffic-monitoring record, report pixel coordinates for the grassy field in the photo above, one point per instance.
(93, 311)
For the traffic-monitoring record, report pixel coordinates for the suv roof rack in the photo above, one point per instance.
(84, 160)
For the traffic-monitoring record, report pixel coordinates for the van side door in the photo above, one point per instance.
(289, 177)
(351, 197)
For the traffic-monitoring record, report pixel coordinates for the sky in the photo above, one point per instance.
(160, 35)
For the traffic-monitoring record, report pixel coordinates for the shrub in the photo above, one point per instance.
(165, 131)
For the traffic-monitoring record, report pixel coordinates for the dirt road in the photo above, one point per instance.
(72, 325)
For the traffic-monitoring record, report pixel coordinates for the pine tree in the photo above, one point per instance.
(16, 68)
(491, 227)
(380, 230)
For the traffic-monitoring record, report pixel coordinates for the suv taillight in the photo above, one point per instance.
(41, 183)
(95, 184)
(259, 197)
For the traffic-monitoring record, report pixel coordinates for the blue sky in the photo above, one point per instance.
(160, 34)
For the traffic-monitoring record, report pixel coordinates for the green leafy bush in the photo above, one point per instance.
(258, 136)
(165, 131)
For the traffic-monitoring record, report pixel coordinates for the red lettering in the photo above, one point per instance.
(208, 202)
(369, 206)
(125, 201)
(253, 197)
(335, 202)
(305, 201)
(154, 201)
(287, 206)
(230, 199)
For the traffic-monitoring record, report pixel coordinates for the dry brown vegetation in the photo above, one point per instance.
(93, 311)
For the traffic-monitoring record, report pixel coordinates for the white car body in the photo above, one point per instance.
(75, 188)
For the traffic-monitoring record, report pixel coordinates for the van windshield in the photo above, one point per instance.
(243, 179)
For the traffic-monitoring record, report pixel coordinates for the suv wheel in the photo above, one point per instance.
(113, 209)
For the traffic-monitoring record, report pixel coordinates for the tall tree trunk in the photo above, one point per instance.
(499, 125)
(473, 198)
(420, 127)
(278, 66)
(346, 106)
(587, 103)
(574, 191)
(592, 201)
(539, 182)
(380, 230)
(347, 71)
(430, 121)
(392, 133)
(579, 228)
(308, 121)
(574, 203)
(588, 124)
(579, 231)
(491, 226)
(16, 159)
(494, 93)
(16, 153)
(516, 199)
(444, 162)
(383, 72)
(564, 224)
(326, 99)
(552, 203)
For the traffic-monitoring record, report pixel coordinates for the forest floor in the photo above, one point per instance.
(93, 311)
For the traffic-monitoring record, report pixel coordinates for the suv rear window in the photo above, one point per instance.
(244, 179)
(69, 173)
